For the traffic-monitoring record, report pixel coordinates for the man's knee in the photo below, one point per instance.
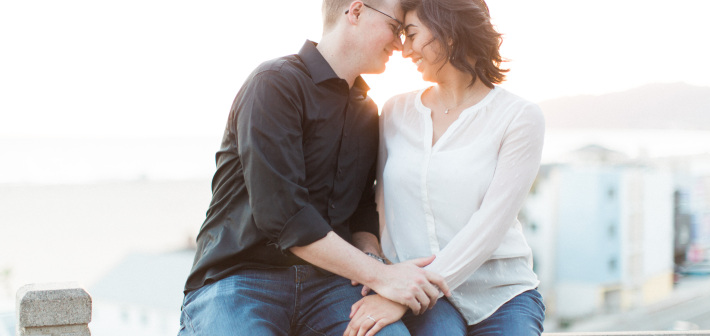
(227, 307)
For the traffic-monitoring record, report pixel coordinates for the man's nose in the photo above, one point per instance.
(398, 43)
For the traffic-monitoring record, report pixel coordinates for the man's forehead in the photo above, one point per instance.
(393, 7)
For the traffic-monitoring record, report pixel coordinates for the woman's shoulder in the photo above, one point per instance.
(519, 112)
(515, 104)
(504, 96)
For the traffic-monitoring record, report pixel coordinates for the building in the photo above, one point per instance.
(601, 230)
(142, 295)
(7, 323)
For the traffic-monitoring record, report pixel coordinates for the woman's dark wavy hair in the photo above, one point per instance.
(467, 25)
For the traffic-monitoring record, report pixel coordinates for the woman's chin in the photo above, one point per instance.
(427, 78)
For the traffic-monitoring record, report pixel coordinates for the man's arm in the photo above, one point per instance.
(405, 283)
(364, 223)
(268, 119)
(367, 242)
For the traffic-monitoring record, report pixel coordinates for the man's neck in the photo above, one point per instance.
(336, 54)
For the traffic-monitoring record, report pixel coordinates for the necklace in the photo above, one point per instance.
(447, 109)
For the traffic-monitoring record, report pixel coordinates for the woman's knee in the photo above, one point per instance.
(443, 319)
(523, 315)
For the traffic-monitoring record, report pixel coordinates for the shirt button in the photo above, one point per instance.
(332, 206)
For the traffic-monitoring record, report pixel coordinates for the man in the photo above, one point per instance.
(294, 189)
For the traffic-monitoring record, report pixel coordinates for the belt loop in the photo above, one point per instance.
(299, 273)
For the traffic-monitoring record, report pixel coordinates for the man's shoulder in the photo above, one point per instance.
(284, 66)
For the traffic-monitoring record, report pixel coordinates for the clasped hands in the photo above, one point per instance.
(402, 286)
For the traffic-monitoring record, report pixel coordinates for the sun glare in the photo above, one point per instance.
(401, 76)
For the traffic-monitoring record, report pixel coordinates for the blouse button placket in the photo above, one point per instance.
(430, 223)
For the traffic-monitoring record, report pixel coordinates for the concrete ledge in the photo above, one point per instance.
(53, 309)
(64, 309)
(72, 330)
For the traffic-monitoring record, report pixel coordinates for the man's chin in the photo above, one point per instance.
(376, 70)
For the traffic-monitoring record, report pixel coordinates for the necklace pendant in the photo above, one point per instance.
(446, 111)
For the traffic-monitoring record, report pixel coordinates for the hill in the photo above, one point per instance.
(653, 106)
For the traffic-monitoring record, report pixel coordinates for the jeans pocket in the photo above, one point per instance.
(538, 299)
(186, 328)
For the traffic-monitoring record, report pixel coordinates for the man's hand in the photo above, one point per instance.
(408, 284)
(371, 314)
(404, 283)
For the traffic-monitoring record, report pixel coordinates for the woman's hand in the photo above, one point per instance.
(371, 314)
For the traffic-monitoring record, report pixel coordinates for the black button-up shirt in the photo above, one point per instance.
(297, 161)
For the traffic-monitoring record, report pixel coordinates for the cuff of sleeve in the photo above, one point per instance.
(366, 219)
(304, 228)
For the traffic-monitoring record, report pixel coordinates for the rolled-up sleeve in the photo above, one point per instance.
(365, 218)
(270, 145)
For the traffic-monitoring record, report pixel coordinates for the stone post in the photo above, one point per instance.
(56, 309)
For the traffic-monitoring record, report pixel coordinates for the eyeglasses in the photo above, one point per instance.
(398, 31)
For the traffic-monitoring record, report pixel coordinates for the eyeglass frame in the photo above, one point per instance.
(399, 32)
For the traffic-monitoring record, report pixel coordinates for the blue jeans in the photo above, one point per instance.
(299, 300)
(521, 316)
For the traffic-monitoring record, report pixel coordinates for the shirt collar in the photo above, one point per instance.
(321, 71)
(361, 86)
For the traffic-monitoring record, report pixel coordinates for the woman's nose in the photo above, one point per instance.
(406, 49)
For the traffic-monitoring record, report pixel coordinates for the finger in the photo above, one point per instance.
(366, 325)
(439, 281)
(355, 324)
(423, 302)
(432, 293)
(421, 262)
(354, 283)
(377, 327)
(354, 308)
(365, 290)
(414, 305)
(349, 331)
(358, 317)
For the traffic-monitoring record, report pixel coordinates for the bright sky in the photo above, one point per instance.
(76, 68)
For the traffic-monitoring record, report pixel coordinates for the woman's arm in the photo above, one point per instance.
(516, 169)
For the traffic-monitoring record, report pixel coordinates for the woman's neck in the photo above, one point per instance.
(454, 90)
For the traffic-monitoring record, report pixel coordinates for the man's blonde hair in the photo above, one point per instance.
(332, 9)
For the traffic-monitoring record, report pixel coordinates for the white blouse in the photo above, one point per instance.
(459, 199)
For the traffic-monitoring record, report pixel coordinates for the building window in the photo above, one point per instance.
(533, 227)
(612, 264)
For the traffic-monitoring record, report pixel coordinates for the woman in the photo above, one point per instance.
(456, 162)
